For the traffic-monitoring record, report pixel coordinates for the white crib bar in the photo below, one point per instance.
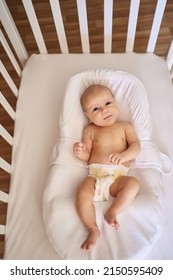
(133, 17)
(12, 32)
(2, 229)
(8, 79)
(57, 16)
(3, 196)
(169, 58)
(83, 25)
(6, 135)
(161, 4)
(34, 25)
(108, 17)
(10, 54)
(5, 165)
(7, 106)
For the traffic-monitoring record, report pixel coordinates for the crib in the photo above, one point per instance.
(80, 31)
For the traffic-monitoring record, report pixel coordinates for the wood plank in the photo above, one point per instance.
(158, 15)
(56, 11)
(29, 9)
(133, 17)
(10, 27)
(83, 24)
(108, 19)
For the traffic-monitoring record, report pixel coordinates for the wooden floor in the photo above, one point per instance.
(70, 18)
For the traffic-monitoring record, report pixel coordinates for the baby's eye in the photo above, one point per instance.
(108, 103)
(95, 109)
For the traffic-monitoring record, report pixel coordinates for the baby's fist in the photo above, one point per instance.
(116, 158)
(79, 148)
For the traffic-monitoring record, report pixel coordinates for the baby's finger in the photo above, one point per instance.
(77, 145)
(115, 158)
(82, 146)
(111, 158)
(78, 150)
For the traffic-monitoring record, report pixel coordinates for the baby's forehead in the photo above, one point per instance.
(95, 88)
(92, 91)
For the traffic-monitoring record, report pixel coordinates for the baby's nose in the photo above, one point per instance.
(104, 110)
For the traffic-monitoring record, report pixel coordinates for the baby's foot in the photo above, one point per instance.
(91, 239)
(110, 218)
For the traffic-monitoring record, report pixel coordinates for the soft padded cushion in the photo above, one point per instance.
(131, 99)
(128, 91)
(140, 224)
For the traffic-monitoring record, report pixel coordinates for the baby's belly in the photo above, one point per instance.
(102, 159)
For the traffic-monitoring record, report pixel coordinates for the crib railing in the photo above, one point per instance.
(18, 53)
(16, 40)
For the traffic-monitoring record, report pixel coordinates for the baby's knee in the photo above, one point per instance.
(86, 189)
(134, 183)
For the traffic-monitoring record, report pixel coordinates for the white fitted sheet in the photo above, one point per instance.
(38, 107)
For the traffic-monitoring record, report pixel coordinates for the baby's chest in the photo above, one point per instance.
(109, 137)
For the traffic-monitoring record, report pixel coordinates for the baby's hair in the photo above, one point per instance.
(88, 90)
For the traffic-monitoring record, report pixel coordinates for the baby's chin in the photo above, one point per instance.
(107, 122)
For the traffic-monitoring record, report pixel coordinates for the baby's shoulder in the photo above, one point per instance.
(90, 126)
(123, 124)
(89, 129)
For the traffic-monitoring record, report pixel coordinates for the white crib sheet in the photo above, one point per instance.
(43, 81)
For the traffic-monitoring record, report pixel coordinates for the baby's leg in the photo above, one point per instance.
(86, 211)
(124, 189)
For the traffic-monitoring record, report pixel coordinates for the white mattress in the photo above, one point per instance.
(37, 117)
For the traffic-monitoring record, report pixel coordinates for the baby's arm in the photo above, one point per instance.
(133, 148)
(82, 150)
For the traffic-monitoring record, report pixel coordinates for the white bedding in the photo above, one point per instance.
(141, 224)
(43, 81)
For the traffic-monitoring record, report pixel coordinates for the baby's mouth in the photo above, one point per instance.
(107, 117)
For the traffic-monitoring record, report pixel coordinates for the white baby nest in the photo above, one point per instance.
(140, 224)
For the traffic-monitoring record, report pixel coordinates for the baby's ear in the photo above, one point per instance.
(86, 115)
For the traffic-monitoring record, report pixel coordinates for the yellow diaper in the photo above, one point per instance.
(105, 175)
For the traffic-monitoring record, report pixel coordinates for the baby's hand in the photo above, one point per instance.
(79, 148)
(116, 158)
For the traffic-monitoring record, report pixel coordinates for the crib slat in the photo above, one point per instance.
(8, 79)
(12, 32)
(161, 4)
(169, 58)
(108, 16)
(133, 17)
(3, 196)
(7, 106)
(34, 25)
(2, 229)
(57, 16)
(5, 165)
(6, 135)
(10, 54)
(83, 24)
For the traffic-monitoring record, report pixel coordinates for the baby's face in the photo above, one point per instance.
(101, 108)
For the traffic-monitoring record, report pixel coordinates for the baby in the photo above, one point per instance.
(108, 146)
